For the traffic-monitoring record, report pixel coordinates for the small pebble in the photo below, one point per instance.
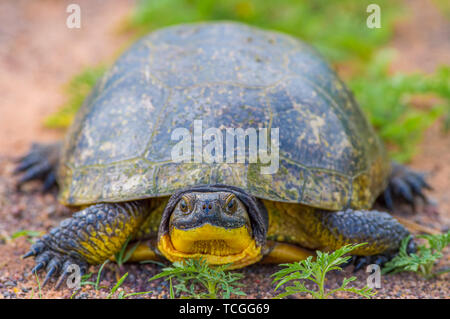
(10, 283)
(83, 295)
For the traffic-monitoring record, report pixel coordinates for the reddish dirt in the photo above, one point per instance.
(38, 55)
(422, 38)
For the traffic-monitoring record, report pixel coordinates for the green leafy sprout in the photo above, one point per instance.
(196, 279)
(316, 271)
(423, 260)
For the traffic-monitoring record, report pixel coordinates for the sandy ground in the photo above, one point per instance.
(421, 39)
(38, 54)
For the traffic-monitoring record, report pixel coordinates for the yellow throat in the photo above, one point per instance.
(217, 245)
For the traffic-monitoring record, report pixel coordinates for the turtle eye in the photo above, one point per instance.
(231, 204)
(184, 205)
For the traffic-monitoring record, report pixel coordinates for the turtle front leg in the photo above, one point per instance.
(90, 237)
(382, 233)
(39, 164)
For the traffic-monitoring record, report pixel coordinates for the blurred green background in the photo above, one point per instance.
(338, 30)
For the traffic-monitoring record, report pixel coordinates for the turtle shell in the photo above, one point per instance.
(228, 75)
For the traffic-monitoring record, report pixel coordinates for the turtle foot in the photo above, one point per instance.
(360, 262)
(54, 263)
(39, 164)
(404, 185)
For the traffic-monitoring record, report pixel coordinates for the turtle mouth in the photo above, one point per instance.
(218, 245)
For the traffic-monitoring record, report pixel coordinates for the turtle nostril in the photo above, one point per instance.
(207, 206)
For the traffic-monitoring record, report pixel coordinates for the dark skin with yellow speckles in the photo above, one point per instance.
(115, 161)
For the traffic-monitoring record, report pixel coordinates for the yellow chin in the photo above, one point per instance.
(216, 245)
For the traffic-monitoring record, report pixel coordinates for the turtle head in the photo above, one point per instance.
(215, 225)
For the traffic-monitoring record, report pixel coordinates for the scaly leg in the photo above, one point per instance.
(382, 233)
(89, 237)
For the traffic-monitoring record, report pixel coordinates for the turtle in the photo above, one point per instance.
(137, 169)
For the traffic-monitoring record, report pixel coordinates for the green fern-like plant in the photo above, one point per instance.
(196, 279)
(423, 261)
(315, 271)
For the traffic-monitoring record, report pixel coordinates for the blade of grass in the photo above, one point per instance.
(39, 285)
(118, 284)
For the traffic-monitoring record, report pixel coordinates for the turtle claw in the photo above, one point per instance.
(38, 267)
(348, 262)
(61, 279)
(49, 181)
(65, 273)
(405, 185)
(28, 254)
(362, 261)
(39, 164)
(50, 273)
(35, 249)
(54, 263)
(387, 196)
